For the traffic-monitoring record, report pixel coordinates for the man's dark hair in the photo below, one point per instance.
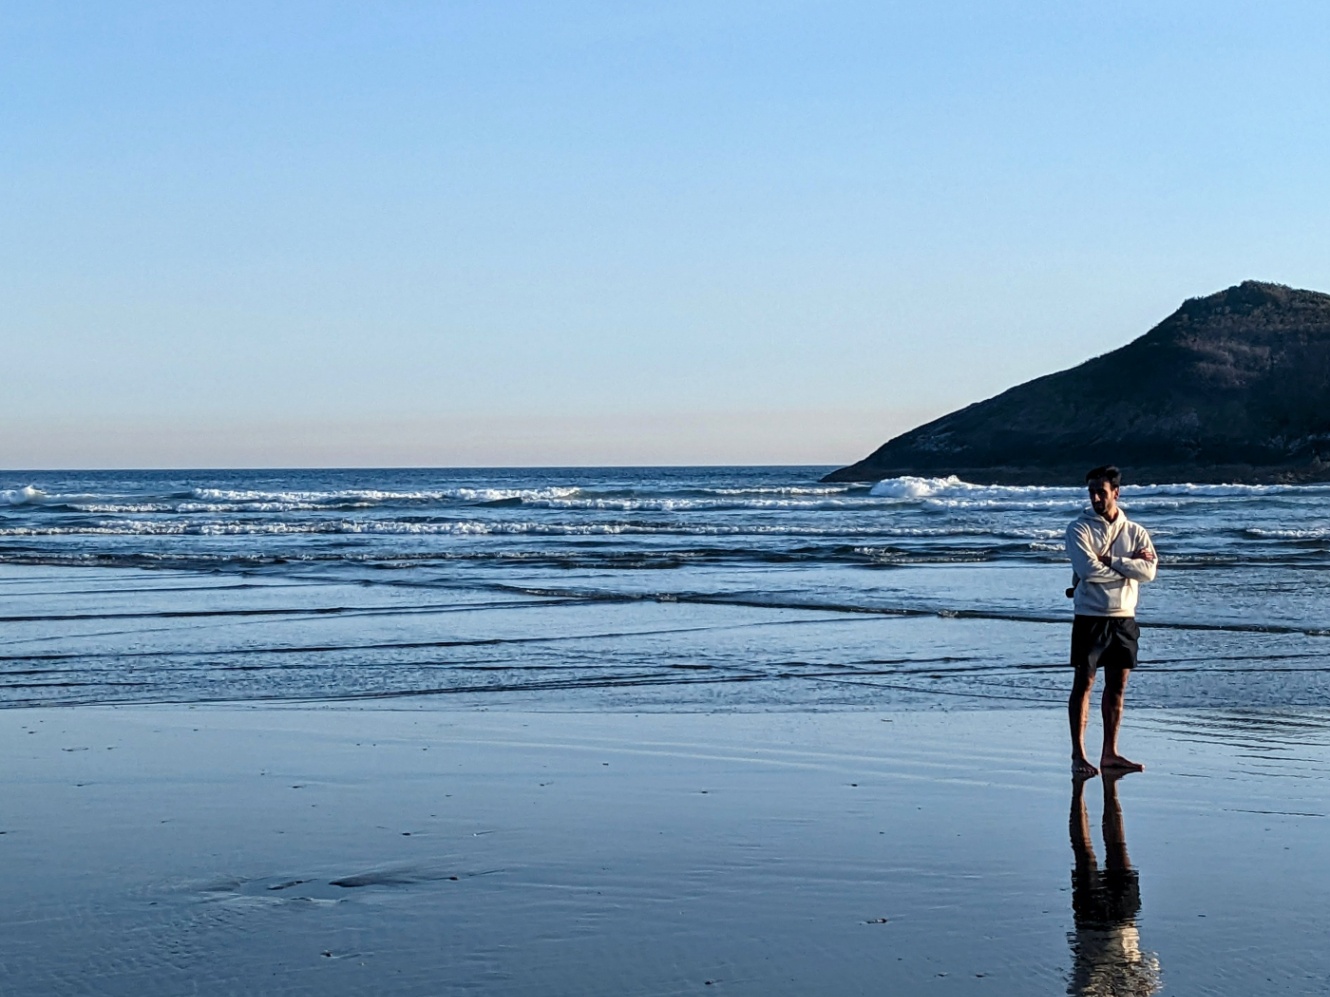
(1108, 473)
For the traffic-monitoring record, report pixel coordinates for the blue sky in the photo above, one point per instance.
(487, 233)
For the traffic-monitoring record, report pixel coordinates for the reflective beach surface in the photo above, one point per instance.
(657, 731)
(413, 851)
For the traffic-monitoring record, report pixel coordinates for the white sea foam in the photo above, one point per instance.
(126, 528)
(27, 495)
(899, 520)
(785, 490)
(550, 497)
(1221, 491)
(937, 494)
(219, 528)
(910, 487)
(953, 493)
(1309, 533)
(121, 508)
(499, 528)
(369, 496)
(716, 504)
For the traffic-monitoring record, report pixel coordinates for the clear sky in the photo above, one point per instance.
(562, 232)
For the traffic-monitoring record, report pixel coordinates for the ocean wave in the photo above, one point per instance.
(583, 558)
(786, 490)
(701, 504)
(203, 501)
(954, 493)
(1308, 533)
(951, 494)
(555, 499)
(910, 487)
(1188, 490)
(116, 508)
(944, 494)
(481, 527)
(551, 496)
(371, 496)
(27, 495)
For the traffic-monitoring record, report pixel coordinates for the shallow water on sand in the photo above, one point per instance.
(675, 588)
(129, 635)
(412, 851)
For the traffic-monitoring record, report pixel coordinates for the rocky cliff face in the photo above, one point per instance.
(1232, 387)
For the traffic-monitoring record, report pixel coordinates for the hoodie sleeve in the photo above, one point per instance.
(1084, 557)
(1137, 568)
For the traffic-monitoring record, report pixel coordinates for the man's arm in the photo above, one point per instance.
(1085, 559)
(1142, 564)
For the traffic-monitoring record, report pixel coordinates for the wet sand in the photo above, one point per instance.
(338, 850)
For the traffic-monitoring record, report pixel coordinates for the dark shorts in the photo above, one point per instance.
(1104, 899)
(1104, 640)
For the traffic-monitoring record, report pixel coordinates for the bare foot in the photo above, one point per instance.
(1119, 764)
(1082, 769)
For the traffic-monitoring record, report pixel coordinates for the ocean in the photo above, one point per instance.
(635, 589)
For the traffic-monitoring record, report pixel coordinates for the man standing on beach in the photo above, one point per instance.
(1110, 556)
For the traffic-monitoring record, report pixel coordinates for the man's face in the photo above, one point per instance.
(1103, 498)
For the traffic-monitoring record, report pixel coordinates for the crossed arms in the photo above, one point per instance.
(1103, 569)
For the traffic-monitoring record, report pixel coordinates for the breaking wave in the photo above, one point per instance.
(955, 492)
(937, 493)
(477, 527)
(613, 517)
(27, 495)
(940, 571)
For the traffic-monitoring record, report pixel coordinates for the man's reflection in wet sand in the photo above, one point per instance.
(1107, 960)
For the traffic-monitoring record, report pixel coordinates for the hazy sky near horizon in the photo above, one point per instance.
(487, 233)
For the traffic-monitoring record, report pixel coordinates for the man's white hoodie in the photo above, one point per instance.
(1107, 590)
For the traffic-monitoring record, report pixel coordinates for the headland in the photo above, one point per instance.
(1230, 388)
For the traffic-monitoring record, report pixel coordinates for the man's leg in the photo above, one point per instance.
(1115, 838)
(1115, 689)
(1078, 712)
